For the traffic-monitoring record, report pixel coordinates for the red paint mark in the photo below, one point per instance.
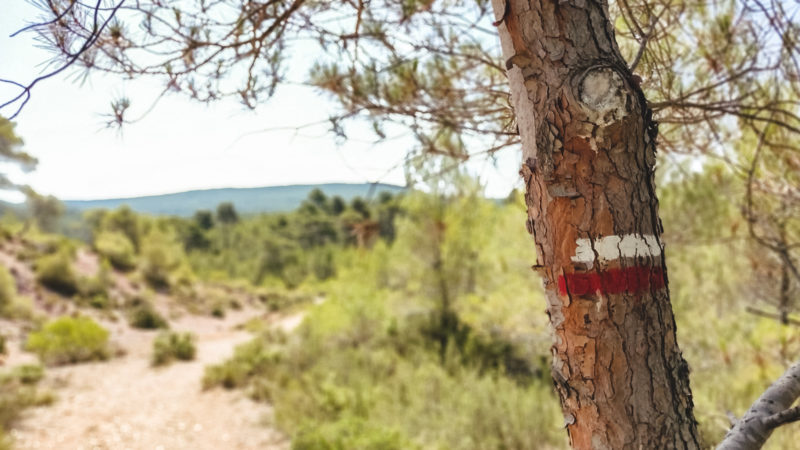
(613, 281)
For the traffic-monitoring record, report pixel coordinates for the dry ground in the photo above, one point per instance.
(125, 403)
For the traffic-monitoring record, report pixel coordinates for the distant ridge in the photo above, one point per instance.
(246, 200)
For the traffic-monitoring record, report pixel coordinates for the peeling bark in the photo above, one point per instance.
(588, 143)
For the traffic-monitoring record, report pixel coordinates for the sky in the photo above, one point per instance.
(184, 145)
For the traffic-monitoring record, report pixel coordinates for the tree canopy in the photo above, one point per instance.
(11, 152)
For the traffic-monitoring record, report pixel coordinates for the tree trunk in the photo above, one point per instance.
(588, 143)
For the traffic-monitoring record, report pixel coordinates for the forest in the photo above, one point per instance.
(420, 332)
(636, 289)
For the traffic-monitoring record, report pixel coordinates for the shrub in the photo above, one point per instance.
(218, 310)
(169, 346)
(226, 375)
(69, 340)
(55, 271)
(5, 441)
(28, 373)
(21, 308)
(146, 317)
(94, 290)
(161, 256)
(17, 392)
(248, 360)
(322, 263)
(122, 220)
(98, 301)
(117, 248)
(8, 288)
(354, 376)
(156, 269)
(350, 433)
(91, 286)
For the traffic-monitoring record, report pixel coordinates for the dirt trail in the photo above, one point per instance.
(125, 403)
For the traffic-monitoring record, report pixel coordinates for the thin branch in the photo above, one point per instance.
(769, 315)
(645, 39)
(44, 24)
(90, 41)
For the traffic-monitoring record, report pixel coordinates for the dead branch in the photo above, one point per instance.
(771, 410)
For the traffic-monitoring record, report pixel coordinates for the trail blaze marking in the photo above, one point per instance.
(614, 247)
(614, 281)
(632, 280)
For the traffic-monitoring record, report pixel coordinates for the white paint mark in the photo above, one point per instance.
(608, 247)
(614, 247)
(584, 251)
(633, 246)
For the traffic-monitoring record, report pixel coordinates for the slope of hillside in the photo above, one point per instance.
(123, 401)
(246, 200)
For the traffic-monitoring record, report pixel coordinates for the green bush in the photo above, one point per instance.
(161, 256)
(21, 308)
(156, 269)
(146, 317)
(350, 433)
(68, 340)
(5, 441)
(169, 346)
(56, 272)
(11, 305)
(218, 310)
(117, 248)
(8, 288)
(249, 360)
(329, 394)
(381, 364)
(18, 391)
(94, 290)
(27, 373)
(98, 301)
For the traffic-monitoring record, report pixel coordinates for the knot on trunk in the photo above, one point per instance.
(604, 95)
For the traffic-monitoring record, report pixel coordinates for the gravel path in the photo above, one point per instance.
(125, 403)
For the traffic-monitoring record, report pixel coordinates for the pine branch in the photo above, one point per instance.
(770, 411)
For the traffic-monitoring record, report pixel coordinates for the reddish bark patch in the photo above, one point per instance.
(632, 280)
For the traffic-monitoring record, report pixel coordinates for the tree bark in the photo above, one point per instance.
(588, 144)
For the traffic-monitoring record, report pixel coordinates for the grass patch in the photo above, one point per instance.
(69, 340)
(170, 346)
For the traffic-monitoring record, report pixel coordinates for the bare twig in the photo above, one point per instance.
(96, 32)
(769, 315)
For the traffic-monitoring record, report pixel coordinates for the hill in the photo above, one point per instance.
(246, 200)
